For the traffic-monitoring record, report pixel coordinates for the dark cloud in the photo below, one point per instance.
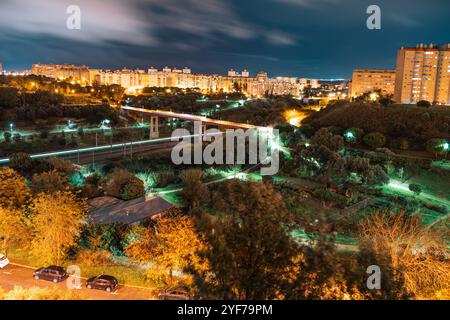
(316, 38)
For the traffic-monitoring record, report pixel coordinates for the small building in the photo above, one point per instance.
(130, 212)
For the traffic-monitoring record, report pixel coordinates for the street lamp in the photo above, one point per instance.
(105, 124)
(11, 127)
(349, 136)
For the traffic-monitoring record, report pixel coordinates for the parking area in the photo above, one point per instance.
(16, 275)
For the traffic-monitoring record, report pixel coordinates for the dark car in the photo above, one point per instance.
(52, 273)
(103, 282)
(178, 293)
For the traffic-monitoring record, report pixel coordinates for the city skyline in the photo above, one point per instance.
(312, 39)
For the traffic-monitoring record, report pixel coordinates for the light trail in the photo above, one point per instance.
(186, 116)
(104, 147)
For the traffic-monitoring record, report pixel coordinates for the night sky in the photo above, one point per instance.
(304, 38)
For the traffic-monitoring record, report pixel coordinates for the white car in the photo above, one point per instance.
(3, 261)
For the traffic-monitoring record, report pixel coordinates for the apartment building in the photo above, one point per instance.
(79, 74)
(422, 73)
(364, 81)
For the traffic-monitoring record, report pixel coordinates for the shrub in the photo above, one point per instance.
(48, 182)
(375, 140)
(424, 103)
(149, 179)
(416, 188)
(123, 184)
(91, 257)
(61, 165)
(35, 293)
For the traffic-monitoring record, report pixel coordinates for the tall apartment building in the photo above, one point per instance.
(78, 74)
(422, 73)
(364, 81)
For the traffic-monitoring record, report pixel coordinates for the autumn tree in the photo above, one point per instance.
(249, 247)
(57, 220)
(49, 182)
(322, 274)
(415, 250)
(171, 244)
(14, 228)
(14, 192)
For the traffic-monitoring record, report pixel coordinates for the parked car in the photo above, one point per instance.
(3, 261)
(177, 293)
(102, 282)
(51, 273)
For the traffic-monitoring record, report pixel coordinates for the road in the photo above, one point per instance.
(105, 152)
(100, 156)
(16, 275)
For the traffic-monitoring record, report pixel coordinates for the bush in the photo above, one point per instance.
(149, 179)
(416, 188)
(35, 293)
(165, 178)
(123, 184)
(64, 166)
(48, 182)
(424, 103)
(375, 140)
(91, 257)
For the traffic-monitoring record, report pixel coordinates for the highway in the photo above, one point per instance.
(106, 152)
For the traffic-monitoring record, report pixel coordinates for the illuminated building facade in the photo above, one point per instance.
(422, 73)
(78, 74)
(364, 81)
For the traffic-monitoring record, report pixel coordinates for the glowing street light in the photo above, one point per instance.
(350, 136)
(374, 96)
(105, 124)
(11, 127)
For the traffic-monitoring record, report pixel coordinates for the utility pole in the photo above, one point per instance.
(93, 152)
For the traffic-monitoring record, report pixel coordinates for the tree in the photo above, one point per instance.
(424, 103)
(322, 274)
(63, 166)
(195, 193)
(14, 229)
(415, 252)
(326, 138)
(375, 140)
(435, 146)
(21, 162)
(57, 220)
(416, 188)
(14, 192)
(171, 244)
(250, 250)
(49, 182)
(125, 185)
